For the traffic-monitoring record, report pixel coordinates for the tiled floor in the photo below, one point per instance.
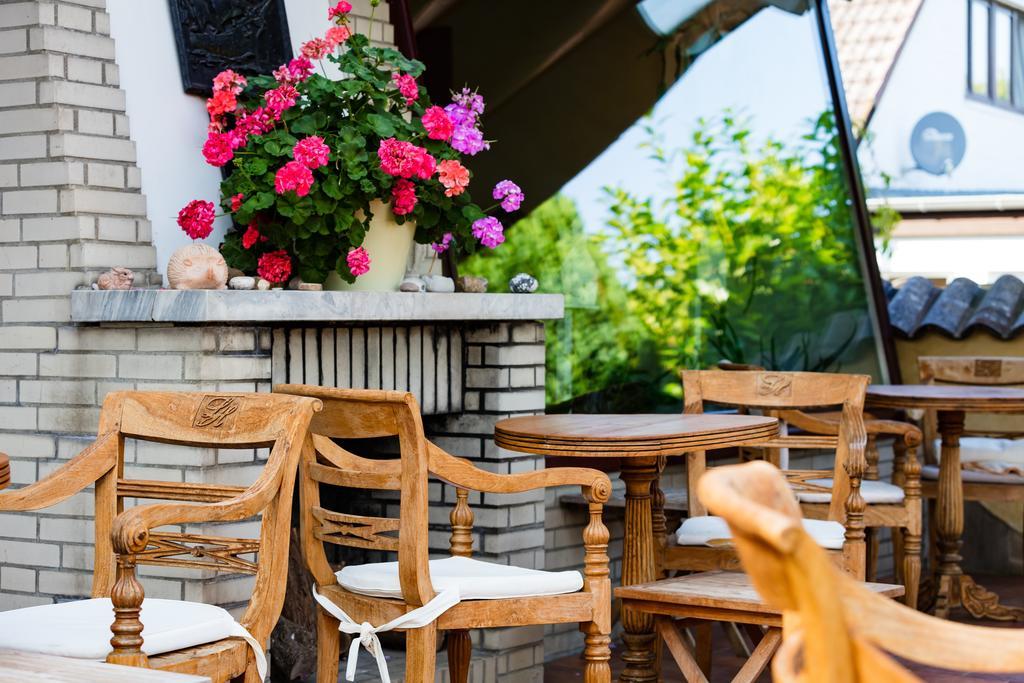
(725, 663)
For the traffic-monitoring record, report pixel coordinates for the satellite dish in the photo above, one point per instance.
(938, 143)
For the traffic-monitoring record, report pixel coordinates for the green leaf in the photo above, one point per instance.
(381, 125)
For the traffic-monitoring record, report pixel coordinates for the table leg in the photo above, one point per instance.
(638, 566)
(949, 518)
(953, 587)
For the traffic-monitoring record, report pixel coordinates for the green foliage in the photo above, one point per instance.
(753, 254)
(352, 115)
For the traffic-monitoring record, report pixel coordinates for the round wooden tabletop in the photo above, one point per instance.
(618, 436)
(946, 397)
(5, 471)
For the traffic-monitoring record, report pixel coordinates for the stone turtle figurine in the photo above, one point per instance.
(197, 266)
(523, 283)
(116, 278)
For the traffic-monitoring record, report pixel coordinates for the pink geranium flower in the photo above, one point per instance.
(437, 124)
(230, 81)
(281, 98)
(293, 176)
(219, 148)
(196, 219)
(454, 176)
(339, 10)
(274, 266)
(404, 160)
(510, 194)
(406, 85)
(295, 71)
(403, 197)
(358, 261)
(236, 201)
(336, 35)
(311, 152)
(316, 48)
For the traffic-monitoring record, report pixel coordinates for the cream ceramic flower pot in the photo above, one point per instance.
(389, 246)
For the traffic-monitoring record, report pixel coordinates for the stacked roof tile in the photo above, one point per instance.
(959, 309)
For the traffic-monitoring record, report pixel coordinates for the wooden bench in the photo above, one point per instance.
(707, 597)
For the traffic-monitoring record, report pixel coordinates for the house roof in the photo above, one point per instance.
(958, 309)
(869, 36)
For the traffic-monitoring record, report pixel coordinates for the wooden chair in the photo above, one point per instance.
(835, 630)
(981, 435)
(413, 594)
(839, 496)
(906, 474)
(172, 635)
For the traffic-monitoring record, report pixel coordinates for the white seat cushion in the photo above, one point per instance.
(709, 529)
(981, 448)
(475, 580)
(931, 472)
(81, 629)
(873, 492)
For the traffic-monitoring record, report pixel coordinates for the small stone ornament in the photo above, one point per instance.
(197, 266)
(310, 287)
(471, 283)
(242, 282)
(412, 284)
(116, 278)
(439, 284)
(263, 285)
(523, 283)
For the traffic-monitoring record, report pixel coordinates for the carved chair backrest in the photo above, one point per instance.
(221, 420)
(365, 414)
(773, 392)
(976, 371)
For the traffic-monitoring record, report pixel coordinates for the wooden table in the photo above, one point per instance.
(5, 471)
(639, 441)
(952, 587)
(709, 597)
(28, 667)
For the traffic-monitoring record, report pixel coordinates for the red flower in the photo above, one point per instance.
(251, 236)
(311, 152)
(236, 201)
(222, 102)
(196, 219)
(437, 123)
(274, 266)
(403, 197)
(407, 87)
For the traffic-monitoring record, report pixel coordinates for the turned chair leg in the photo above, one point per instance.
(328, 647)
(421, 654)
(597, 653)
(911, 566)
(460, 651)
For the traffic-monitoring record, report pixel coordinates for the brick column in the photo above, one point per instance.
(504, 378)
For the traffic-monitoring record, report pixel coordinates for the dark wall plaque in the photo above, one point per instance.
(249, 36)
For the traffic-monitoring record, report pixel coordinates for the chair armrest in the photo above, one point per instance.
(597, 487)
(78, 473)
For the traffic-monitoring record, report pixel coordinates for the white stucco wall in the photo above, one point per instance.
(169, 126)
(931, 75)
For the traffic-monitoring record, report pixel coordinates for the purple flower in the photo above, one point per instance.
(459, 115)
(446, 241)
(468, 140)
(489, 231)
(510, 194)
(472, 101)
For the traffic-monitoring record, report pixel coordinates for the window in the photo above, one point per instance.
(995, 60)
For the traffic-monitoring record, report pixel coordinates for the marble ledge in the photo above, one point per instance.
(283, 306)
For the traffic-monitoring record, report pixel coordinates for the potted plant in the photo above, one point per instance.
(331, 180)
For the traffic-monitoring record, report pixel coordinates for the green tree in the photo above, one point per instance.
(597, 357)
(753, 256)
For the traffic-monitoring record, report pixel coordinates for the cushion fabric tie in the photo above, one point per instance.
(365, 634)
